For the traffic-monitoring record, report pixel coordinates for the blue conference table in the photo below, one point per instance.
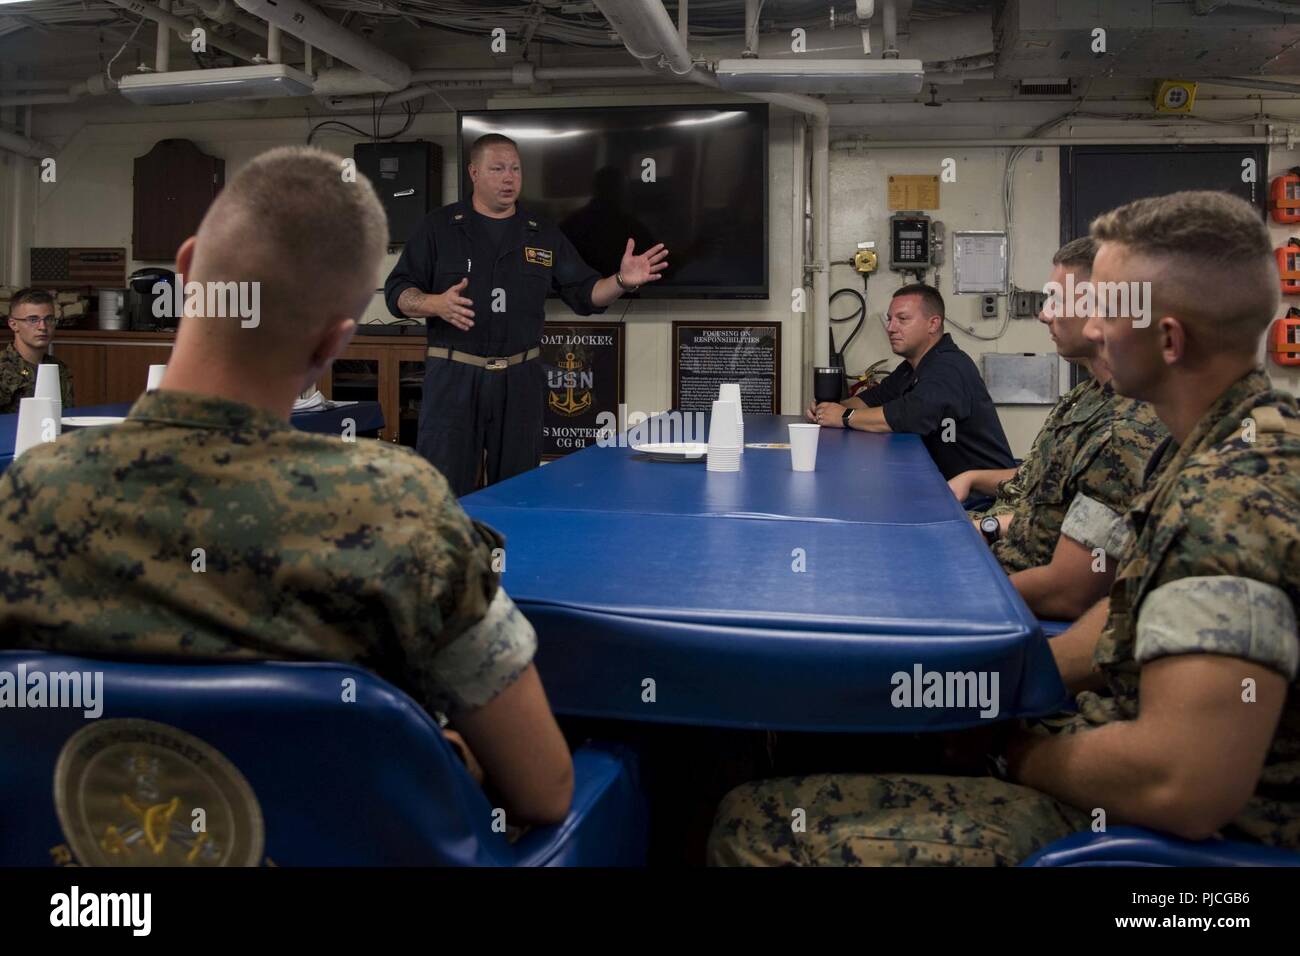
(767, 598)
(367, 416)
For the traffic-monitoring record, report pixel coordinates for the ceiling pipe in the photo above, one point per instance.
(1272, 6)
(751, 28)
(39, 99)
(10, 86)
(185, 29)
(225, 11)
(684, 22)
(96, 85)
(312, 26)
(889, 27)
(861, 142)
(967, 34)
(273, 43)
(162, 57)
(649, 35)
(343, 82)
(25, 145)
(1255, 84)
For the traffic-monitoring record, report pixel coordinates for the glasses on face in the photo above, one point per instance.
(37, 320)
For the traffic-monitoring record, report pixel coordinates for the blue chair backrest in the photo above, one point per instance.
(1138, 846)
(370, 782)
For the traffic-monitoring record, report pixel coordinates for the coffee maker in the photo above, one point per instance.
(140, 299)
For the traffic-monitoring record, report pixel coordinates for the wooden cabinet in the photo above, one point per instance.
(174, 185)
(112, 367)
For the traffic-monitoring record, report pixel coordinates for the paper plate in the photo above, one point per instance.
(674, 450)
(91, 421)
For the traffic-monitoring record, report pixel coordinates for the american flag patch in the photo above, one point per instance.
(64, 267)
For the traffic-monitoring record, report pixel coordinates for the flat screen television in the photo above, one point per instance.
(691, 177)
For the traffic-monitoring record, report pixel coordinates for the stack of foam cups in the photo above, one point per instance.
(724, 438)
(731, 393)
(47, 386)
(37, 422)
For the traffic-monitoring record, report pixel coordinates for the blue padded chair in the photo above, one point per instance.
(372, 782)
(1137, 846)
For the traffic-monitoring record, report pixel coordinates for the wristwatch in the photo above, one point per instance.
(991, 528)
(848, 413)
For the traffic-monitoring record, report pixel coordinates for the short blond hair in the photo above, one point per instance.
(1211, 261)
(293, 221)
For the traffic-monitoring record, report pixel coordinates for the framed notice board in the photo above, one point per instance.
(707, 354)
(584, 377)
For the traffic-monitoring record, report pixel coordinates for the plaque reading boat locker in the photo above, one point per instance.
(707, 354)
(584, 377)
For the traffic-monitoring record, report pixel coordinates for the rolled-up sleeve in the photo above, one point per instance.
(415, 267)
(1095, 525)
(466, 641)
(573, 280)
(1234, 616)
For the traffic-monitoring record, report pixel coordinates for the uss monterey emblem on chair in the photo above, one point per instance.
(133, 792)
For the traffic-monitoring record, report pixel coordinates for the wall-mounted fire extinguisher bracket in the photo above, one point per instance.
(1284, 339)
(1284, 196)
(1288, 266)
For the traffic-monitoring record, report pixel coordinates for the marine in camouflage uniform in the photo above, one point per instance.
(1084, 470)
(315, 548)
(1213, 569)
(18, 379)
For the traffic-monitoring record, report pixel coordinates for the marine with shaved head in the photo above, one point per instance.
(1187, 717)
(313, 547)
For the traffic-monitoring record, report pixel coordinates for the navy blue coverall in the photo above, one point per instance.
(468, 410)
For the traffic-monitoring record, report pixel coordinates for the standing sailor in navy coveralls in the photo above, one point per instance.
(478, 272)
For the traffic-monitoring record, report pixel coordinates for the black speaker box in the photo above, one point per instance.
(408, 178)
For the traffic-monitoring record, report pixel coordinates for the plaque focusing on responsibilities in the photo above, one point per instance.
(708, 354)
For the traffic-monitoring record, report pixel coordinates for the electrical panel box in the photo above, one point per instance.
(407, 177)
(979, 262)
(1021, 379)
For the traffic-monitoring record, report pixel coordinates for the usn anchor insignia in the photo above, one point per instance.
(570, 379)
(127, 792)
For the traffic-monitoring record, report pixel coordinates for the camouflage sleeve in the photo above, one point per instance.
(1234, 616)
(65, 386)
(1095, 525)
(10, 385)
(469, 641)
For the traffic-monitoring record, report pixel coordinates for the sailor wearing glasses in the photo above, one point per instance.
(31, 316)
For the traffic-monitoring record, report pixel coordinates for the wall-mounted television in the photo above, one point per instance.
(691, 177)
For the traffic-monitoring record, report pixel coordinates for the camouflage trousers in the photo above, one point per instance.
(886, 820)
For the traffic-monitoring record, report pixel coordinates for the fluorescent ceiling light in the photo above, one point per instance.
(876, 77)
(226, 83)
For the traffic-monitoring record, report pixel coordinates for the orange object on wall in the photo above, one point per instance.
(1284, 196)
(1284, 339)
(1288, 267)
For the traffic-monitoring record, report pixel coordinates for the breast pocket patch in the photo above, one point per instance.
(537, 257)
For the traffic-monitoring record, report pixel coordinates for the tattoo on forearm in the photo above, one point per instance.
(409, 301)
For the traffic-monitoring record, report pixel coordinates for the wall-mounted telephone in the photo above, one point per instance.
(915, 242)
